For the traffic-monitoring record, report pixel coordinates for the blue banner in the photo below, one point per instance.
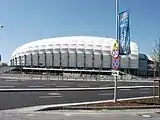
(124, 34)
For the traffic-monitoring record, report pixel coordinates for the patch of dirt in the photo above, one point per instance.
(140, 102)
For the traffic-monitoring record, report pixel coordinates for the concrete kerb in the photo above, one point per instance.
(81, 106)
(70, 89)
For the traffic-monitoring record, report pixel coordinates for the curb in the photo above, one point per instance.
(101, 108)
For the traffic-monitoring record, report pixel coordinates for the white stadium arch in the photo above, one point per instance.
(80, 52)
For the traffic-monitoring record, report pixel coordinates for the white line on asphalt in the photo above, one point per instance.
(34, 86)
(36, 108)
(124, 89)
(7, 86)
(41, 97)
(62, 86)
(11, 80)
(144, 88)
(145, 92)
(103, 94)
(74, 89)
(54, 94)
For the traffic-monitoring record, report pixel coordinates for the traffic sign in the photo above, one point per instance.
(115, 64)
(115, 50)
(115, 53)
(115, 73)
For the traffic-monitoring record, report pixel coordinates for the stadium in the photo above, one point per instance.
(76, 54)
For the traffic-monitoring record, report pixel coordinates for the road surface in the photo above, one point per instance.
(10, 100)
(13, 83)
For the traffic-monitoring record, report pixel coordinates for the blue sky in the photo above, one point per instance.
(28, 20)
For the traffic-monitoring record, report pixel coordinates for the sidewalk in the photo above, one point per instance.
(83, 115)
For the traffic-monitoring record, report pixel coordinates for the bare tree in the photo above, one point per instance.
(155, 54)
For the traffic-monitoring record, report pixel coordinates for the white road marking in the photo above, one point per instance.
(11, 80)
(73, 89)
(144, 88)
(147, 116)
(105, 94)
(145, 92)
(62, 86)
(7, 86)
(41, 97)
(35, 86)
(54, 94)
(124, 89)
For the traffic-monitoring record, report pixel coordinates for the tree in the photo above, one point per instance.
(4, 65)
(155, 55)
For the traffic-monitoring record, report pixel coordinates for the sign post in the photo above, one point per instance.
(115, 67)
(115, 55)
(122, 44)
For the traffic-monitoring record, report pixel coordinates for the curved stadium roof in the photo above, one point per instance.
(53, 43)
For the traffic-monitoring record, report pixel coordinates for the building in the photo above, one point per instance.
(73, 53)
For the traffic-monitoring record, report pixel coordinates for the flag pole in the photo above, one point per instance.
(115, 82)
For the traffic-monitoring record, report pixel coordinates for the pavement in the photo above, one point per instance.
(152, 114)
(11, 100)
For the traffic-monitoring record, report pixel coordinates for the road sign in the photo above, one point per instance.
(115, 53)
(115, 50)
(115, 64)
(115, 73)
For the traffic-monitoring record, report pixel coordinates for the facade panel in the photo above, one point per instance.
(72, 59)
(124, 62)
(28, 60)
(18, 61)
(88, 60)
(134, 63)
(35, 59)
(107, 61)
(97, 60)
(49, 59)
(22, 61)
(56, 59)
(80, 59)
(64, 59)
(42, 59)
(143, 69)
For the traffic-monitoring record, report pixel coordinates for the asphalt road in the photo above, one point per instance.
(13, 83)
(10, 100)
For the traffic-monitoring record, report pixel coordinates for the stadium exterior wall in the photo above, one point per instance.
(81, 52)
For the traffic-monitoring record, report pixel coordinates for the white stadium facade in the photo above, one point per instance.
(74, 53)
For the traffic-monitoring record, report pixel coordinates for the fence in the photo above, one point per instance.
(5, 73)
